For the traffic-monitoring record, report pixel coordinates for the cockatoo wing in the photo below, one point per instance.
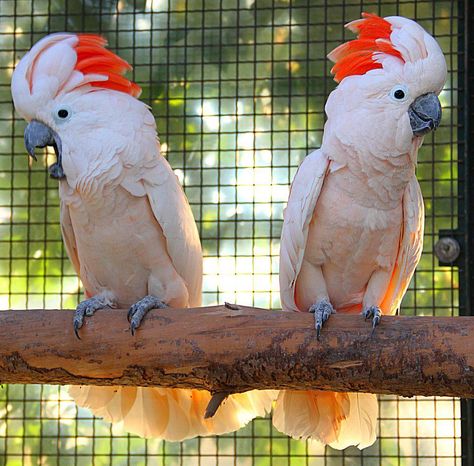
(411, 247)
(172, 211)
(68, 237)
(304, 194)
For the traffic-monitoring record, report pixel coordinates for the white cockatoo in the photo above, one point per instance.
(126, 223)
(353, 227)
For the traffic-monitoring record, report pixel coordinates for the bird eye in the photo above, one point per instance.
(399, 93)
(62, 113)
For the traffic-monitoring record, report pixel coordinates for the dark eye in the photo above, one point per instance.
(399, 94)
(63, 113)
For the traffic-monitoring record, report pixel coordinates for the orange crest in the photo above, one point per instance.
(359, 56)
(94, 58)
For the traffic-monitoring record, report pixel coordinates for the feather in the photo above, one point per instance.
(173, 213)
(61, 63)
(359, 56)
(304, 194)
(69, 239)
(410, 249)
(336, 419)
(94, 58)
(311, 414)
(359, 428)
(171, 414)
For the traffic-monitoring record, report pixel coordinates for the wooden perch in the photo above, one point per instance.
(222, 349)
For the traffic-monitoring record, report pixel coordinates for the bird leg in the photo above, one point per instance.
(87, 308)
(374, 295)
(321, 310)
(138, 311)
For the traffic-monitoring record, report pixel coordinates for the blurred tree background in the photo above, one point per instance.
(238, 90)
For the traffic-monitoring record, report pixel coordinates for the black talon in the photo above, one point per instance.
(76, 330)
(318, 331)
(375, 321)
(321, 310)
(375, 313)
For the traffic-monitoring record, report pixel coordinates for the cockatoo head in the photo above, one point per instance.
(389, 81)
(72, 91)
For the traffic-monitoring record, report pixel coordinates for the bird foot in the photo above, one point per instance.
(321, 310)
(375, 313)
(56, 171)
(138, 311)
(86, 309)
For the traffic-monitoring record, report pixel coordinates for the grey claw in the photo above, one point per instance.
(137, 311)
(318, 330)
(321, 310)
(76, 329)
(375, 321)
(78, 319)
(86, 309)
(233, 307)
(375, 313)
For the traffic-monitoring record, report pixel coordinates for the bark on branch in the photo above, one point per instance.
(221, 349)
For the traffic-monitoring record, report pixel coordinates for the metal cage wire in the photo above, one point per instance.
(238, 90)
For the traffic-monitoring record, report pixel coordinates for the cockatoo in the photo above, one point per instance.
(353, 227)
(126, 223)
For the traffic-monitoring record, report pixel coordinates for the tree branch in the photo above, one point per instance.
(226, 350)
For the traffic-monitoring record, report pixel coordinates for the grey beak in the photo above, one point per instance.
(38, 134)
(425, 114)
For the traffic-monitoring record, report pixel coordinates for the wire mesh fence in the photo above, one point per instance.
(238, 90)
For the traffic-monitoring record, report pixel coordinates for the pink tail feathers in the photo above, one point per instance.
(171, 414)
(335, 419)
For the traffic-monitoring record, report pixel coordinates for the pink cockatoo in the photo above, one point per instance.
(353, 227)
(126, 223)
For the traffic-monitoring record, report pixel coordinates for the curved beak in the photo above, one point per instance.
(425, 114)
(37, 134)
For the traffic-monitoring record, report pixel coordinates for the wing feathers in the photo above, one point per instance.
(304, 194)
(173, 213)
(69, 237)
(411, 247)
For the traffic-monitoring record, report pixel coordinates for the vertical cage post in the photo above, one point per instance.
(466, 198)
